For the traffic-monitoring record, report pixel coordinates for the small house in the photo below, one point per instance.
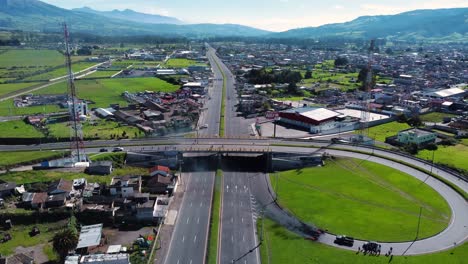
(60, 186)
(100, 168)
(7, 189)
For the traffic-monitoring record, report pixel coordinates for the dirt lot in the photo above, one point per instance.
(124, 238)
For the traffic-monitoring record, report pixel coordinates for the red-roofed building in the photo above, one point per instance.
(162, 170)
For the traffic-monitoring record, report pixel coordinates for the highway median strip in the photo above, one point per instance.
(214, 232)
(223, 103)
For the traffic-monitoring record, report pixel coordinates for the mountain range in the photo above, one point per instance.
(131, 15)
(34, 15)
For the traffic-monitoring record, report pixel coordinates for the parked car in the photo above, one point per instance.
(204, 126)
(103, 150)
(118, 149)
(344, 241)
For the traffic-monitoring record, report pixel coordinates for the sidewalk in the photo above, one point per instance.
(165, 233)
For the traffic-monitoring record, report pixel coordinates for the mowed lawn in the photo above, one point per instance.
(362, 199)
(109, 91)
(18, 129)
(11, 158)
(97, 129)
(282, 246)
(381, 132)
(453, 156)
(11, 87)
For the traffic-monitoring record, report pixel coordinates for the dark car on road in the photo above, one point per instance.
(344, 241)
(103, 150)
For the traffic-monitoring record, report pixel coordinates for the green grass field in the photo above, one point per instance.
(435, 117)
(18, 128)
(7, 108)
(12, 158)
(362, 199)
(11, 87)
(101, 74)
(101, 129)
(282, 246)
(76, 67)
(109, 91)
(50, 175)
(453, 156)
(30, 57)
(180, 63)
(383, 131)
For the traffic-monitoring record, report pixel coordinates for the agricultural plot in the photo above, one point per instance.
(76, 67)
(362, 199)
(180, 63)
(109, 91)
(12, 87)
(435, 117)
(18, 129)
(96, 129)
(31, 58)
(12, 158)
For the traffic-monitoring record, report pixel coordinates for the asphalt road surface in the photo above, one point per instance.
(189, 239)
(237, 220)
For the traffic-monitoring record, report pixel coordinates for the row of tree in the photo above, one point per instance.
(264, 76)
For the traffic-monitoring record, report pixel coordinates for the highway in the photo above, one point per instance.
(189, 239)
(237, 227)
(238, 223)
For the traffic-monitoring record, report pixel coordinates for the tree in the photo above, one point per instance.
(85, 51)
(415, 121)
(431, 146)
(411, 148)
(292, 88)
(341, 61)
(362, 77)
(308, 74)
(389, 51)
(64, 241)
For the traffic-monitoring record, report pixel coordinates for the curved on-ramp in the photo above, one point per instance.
(455, 234)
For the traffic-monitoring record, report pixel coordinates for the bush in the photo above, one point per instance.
(448, 142)
(431, 146)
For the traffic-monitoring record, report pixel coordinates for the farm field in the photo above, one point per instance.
(362, 199)
(12, 158)
(11, 87)
(18, 129)
(97, 129)
(7, 108)
(26, 177)
(180, 63)
(31, 57)
(109, 91)
(76, 67)
(100, 74)
(282, 246)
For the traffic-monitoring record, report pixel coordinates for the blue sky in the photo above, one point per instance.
(275, 15)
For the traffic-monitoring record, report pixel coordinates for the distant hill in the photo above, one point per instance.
(34, 15)
(413, 25)
(131, 15)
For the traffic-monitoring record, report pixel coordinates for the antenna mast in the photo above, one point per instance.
(365, 114)
(74, 108)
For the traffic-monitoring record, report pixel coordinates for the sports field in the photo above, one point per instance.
(282, 246)
(362, 199)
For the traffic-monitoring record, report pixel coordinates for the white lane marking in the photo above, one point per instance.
(188, 219)
(232, 239)
(191, 204)
(203, 192)
(241, 203)
(190, 261)
(198, 220)
(242, 219)
(243, 238)
(232, 220)
(201, 204)
(183, 238)
(195, 239)
(178, 261)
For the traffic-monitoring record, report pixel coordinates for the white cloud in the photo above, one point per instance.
(338, 7)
